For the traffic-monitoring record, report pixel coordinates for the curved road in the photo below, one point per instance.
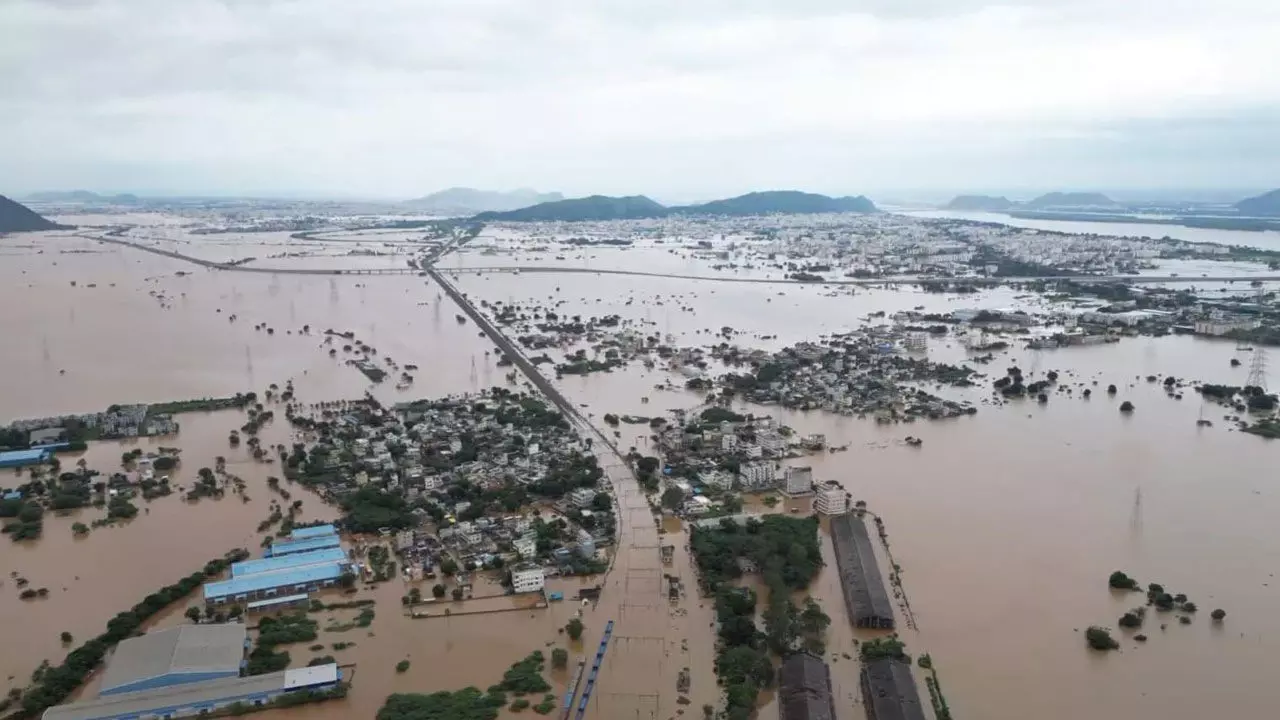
(515, 269)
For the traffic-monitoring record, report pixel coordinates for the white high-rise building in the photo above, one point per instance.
(832, 499)
(798, 481)
(756, 476)
(527, 579)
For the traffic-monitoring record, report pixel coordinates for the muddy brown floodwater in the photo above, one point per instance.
(1006, 524)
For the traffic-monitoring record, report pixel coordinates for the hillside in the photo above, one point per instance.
(467, 201)
(774, 202)
(19, 218)
(979, 202)
(1264, 204)
(602, 207)
(595, 207)
(82, 196)
(1071, 199)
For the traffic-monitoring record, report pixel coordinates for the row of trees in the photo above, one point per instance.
(57, 683)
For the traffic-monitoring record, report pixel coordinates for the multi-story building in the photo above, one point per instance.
(527, 579)
(756, 476)
(797, 480)
(832, 499)
(582, 497)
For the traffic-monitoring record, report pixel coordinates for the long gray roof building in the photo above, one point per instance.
(865, 597)
(184, 654)
(889, 692)
(804, 689)
(193, 699)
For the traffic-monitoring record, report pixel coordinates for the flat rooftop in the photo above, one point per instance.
(314, 531)
(291, 561)
(272, 580)
(147, 702)
(286, 547)
(187, 649)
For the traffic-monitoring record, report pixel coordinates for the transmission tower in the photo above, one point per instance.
(1258, 369)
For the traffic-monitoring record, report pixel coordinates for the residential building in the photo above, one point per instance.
(756, 476)
(582, 497)
(527, 548)
(797, 480)
(832, 499)
(717, 479)
(527, 579)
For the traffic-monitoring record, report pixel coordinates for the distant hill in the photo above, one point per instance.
(602, 207)
(1264, 204)
(1072, 199)
(467, 201)
(82, 196)
(979, 202)
(15, 217)
(595, 207)
(785, 202)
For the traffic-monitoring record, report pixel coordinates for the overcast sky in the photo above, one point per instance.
(674, 98)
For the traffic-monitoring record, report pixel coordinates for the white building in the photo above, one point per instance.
(527, 547)
(729, 443)
(797, 480)
(528, 579)
(582, 497)
(756, 476)
(771, 442)
(717, 479)
(832, 500)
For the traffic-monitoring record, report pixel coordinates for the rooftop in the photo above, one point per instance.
(291, 561)
(270, 580)
(23, 456)
(284, 547)
(310, 532)
(272, 602)
(890, 691)
(188, 649)
(146, 702)
(804, 689)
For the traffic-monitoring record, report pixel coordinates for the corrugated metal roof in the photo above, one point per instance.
(287, 599)
(314, 531)
(195, 694)
(889, 690)
(310, 676)
(804, 689)
(181, 650)
(23, 456)
(288, 562)
(285, 547)
(266, 581)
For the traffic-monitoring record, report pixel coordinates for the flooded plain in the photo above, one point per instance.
(1006, 524)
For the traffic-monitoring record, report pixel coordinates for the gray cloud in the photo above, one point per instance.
(399, 97)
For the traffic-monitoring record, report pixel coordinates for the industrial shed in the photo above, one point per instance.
(304, 533)
(199, 698)
(865, 597)
(259, 586)
(292, 561)
(287, 547)
(181, 655)
(804, 689)
(889, 692)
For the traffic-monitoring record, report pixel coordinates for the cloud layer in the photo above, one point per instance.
(674, 97)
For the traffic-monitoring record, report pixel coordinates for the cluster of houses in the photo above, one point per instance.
(118, 421)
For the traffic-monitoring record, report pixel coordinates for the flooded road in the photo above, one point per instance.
(1006, 523)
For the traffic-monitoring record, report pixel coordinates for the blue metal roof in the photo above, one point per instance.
(269, 581)
(23, 457)
(285, 547)
(291, 561)
(310, 532)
